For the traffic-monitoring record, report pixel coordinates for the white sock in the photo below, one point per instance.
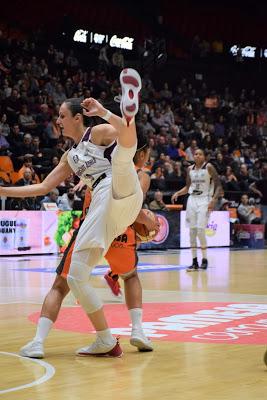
(136, 315)
(204, 253)
(43, 327)
(106, 336)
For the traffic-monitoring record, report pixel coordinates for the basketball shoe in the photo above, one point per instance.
(32, 349)
(194, 266)
(113, 283)
(130, 85)
(100, 349)
(139, 340)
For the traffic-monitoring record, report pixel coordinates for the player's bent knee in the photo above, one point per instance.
(86, 294)
(61, 285)
(129, 275)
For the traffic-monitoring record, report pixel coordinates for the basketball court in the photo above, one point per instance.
(209, 330)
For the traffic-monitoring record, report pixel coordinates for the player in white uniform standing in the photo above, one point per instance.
(103, 158)
(203, 186)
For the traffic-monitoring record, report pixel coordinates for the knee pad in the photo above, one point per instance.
(202, 237)
(78, 281)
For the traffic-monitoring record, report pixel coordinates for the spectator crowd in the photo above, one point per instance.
(177, 119)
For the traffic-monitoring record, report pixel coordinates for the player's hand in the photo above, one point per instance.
(174, 197)
(153, 224)
(79, 187)
(92, 108)
(211, 205)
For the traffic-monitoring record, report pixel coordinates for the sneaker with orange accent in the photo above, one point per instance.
(131, 85)
(113, 283)
(100, 349)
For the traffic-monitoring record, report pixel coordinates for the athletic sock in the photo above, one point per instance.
(43, 327)
(136, 315)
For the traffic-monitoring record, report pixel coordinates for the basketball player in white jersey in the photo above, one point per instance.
(102, 158)
(203, 186)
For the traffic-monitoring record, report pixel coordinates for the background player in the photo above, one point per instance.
(203, 186)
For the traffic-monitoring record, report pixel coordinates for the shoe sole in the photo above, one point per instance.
(142, 347)
(99, 355)
(39, 356)
(131, 83)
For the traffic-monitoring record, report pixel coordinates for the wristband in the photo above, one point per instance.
(107, 116)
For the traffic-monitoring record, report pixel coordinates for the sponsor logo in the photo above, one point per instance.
(229, 323)
(75, 158)
(211, 229)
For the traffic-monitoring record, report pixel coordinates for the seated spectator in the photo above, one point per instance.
(158, 179)
(190, 151)
(158, 203)
(229, 181)
(219, 164)
(244, 178)
(161, 146)
(246, 211)
(146, 125)
(221, 204)
(52, 197)
(67, 199)
(4, 126)
(26, 178)
(26, 120)
(27, 164)
(172, 149)
(152, 148)
(158, 120)
(4, 145)
(181, 150)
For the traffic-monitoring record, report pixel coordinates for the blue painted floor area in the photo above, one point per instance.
(101, 269)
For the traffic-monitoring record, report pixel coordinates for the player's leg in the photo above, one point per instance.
(125, 182)
(83, 261)
(51, 306)
(133, 298)
(191, 219)
(203, 217)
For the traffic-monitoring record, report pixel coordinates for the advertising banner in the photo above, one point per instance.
(169, 234)
(251, 236)
(217, 230)
(28, 232)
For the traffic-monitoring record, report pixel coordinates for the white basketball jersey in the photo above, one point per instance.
(89, 161)
(201, 181)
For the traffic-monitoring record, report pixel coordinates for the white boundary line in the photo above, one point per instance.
(49, 373)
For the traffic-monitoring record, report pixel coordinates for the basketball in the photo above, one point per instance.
(142, 233)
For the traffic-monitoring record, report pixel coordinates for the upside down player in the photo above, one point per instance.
(123, 263)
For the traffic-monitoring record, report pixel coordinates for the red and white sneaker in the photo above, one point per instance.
(101, 349)
(113, 284)
(131, 85)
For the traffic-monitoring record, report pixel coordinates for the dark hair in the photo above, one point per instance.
(204, 151)
(74, 105)
(142, 143)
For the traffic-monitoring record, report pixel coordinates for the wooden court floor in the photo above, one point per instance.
(209, 329)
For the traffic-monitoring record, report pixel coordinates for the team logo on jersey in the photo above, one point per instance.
(76, 158)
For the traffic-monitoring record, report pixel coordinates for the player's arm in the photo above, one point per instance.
(217, 186)
(185, 189)
(59, 174)
(104, 133)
